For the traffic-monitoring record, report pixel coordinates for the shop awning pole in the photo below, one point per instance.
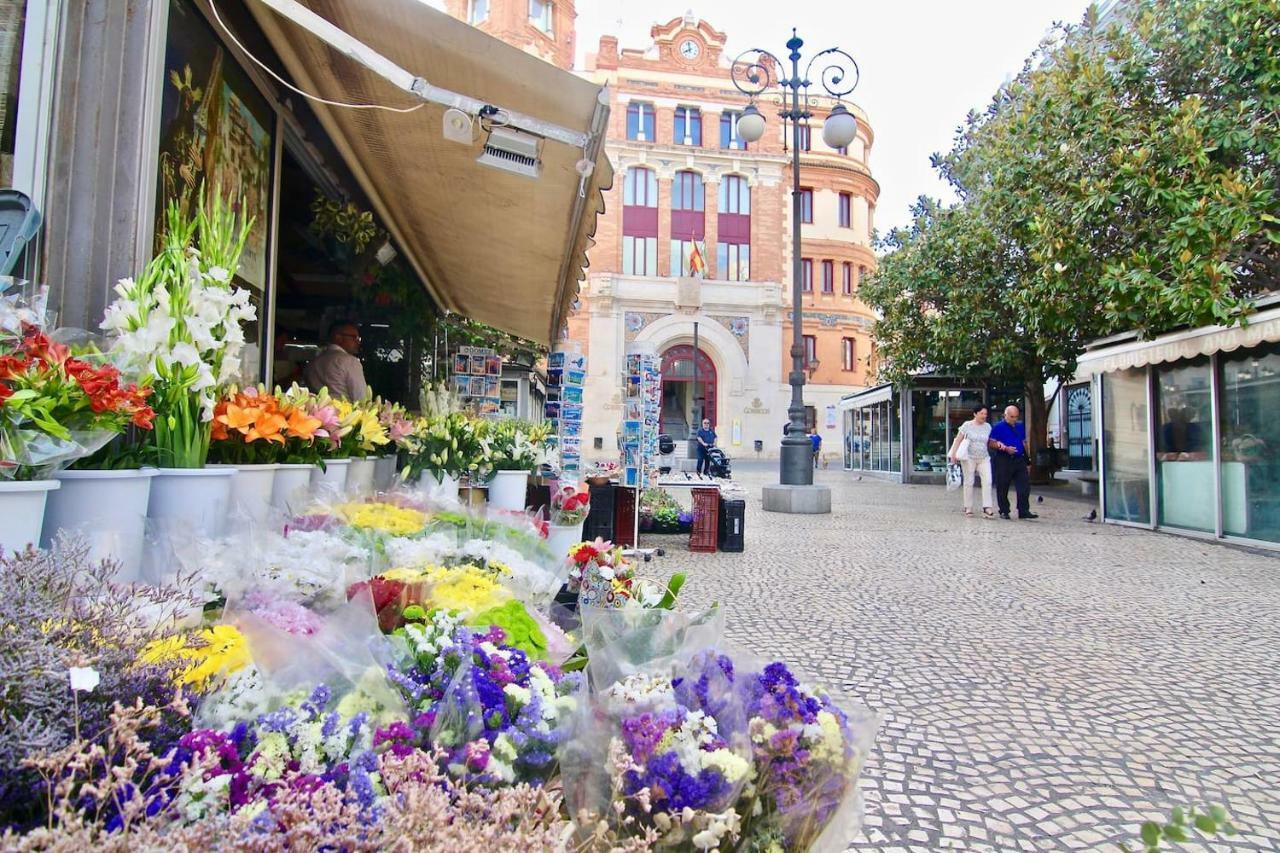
(414, 85)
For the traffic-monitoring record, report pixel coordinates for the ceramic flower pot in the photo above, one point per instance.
(108, 510)
(385, 470)
(251, 489)
(190, 501)
(360, 475)
(22, 505)
(442, 487)
(562, 537)
(292, 486)
(507, 490)
(332, 479)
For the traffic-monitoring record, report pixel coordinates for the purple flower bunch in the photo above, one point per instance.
(806, 753)
(300, 746)
(498, 716)
(677, 752)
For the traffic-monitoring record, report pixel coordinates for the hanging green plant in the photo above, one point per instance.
(346, 224)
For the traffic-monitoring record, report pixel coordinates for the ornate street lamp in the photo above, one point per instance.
(753, 74)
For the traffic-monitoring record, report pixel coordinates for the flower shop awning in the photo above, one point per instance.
(1263, 327)
(492, 245)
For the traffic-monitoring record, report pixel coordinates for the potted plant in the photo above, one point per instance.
(335, 416)
(365, 441)
(305, 436)
(56, 408)
(441, 450)
(248, 436)
(398, 424)
(515, 451)
(569, 508)
(178, 326)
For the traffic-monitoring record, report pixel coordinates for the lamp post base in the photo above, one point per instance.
(797, 500)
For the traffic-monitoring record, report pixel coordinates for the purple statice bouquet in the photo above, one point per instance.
(807, 754)
(498, 716)
(675, 756)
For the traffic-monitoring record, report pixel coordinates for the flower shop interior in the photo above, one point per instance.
(241, 616)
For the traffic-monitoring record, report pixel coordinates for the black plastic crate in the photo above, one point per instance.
(733, 516)
(599, 522)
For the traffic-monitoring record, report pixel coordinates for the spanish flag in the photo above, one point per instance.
(697, 266)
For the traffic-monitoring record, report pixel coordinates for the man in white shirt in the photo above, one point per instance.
(336, 367)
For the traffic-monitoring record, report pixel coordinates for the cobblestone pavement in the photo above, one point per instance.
(1045, 685)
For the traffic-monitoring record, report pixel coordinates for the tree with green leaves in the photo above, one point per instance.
(1128, 178)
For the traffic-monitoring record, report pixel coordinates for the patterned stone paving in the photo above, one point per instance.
(1045, 685)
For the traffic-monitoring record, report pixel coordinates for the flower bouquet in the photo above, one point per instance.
(178, 326)
(251, 428)
(516, 445)
(499, 716)
(663, 755)
(569, 505)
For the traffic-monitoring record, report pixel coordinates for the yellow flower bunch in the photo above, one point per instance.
(368, 428)
(467, 589)
(210, 654)
(388, 518)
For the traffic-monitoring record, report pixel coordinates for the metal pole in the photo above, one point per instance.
(697, 421)
(796, 459)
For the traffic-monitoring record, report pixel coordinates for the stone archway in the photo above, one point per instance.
(716, 343)
(684, 402)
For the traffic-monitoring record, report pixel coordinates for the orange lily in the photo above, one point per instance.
(267, 426)
(300, 424)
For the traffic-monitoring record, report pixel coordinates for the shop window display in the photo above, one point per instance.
(1250, 397)
(1184, 445)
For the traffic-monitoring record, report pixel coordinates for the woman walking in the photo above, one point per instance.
(971, 451)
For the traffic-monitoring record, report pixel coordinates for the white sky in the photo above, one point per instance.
(924, 63)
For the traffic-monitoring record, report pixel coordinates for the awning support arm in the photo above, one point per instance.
(360, 52)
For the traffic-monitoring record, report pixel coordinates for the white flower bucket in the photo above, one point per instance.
(507, 490)
(384, 472)
(292, 486)
(108, 510)
(190, 501)
(22, 512)
(360, 476)
(442, 488)
(562, 537)
(332, 479)
(251, 489)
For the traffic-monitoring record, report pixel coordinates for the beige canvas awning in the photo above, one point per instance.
(501, 248)
(1262, 327)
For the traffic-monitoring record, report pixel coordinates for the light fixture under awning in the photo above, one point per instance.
(492, 245)
(1263, 327)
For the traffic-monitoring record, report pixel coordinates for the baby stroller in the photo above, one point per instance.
(719, 464)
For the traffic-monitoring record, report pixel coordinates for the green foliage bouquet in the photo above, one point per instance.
(178, 327)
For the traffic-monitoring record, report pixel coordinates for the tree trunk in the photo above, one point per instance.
(1037, 420)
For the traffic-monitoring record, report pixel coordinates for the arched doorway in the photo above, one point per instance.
(681, 399)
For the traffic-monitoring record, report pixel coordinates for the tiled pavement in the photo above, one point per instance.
(1045, 685)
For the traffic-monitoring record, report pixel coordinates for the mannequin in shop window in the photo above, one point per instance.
(336, 367)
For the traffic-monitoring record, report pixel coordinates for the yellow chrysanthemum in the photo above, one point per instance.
(405, 575)
(466, 589)
(220, 651)
(389, 518)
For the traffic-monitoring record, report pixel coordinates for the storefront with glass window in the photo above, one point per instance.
(1190, 428)
(902, 434)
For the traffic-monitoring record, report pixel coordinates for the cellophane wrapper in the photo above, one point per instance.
(661, 748)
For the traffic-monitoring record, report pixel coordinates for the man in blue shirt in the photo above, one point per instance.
(706, 440)
(817, 447)
(1008, 444)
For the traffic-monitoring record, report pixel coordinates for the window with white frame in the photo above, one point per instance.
(729, 137)
(688, 126)
(479, 11)
(640, 122)
(541, 13)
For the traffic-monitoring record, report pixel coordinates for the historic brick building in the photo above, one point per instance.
(688, 186)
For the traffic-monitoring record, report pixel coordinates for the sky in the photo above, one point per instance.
(924, 63)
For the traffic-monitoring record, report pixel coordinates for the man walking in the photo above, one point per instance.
(817, 447)
(1008, 444)
(706, 440)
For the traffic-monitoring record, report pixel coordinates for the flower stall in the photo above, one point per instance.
(323, 682)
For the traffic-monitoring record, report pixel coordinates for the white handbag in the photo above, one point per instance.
(962, 449)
